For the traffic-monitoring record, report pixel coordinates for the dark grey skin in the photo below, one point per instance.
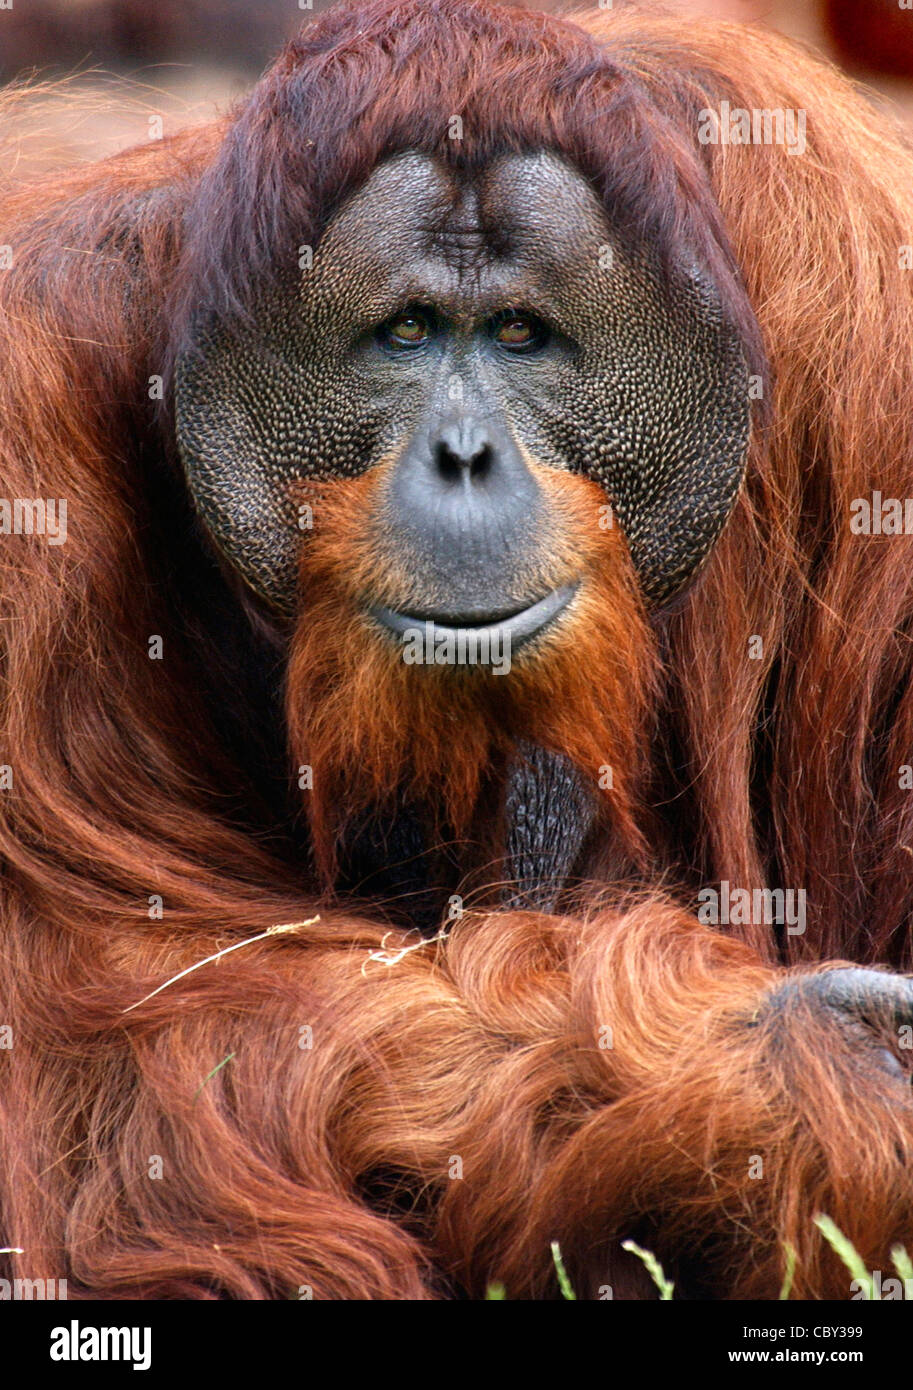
(391, 346)
(632, 379)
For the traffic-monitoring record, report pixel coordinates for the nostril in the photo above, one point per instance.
(455, 463)
(481, 462)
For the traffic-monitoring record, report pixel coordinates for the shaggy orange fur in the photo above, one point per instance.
(358, 714)
(418, 1127)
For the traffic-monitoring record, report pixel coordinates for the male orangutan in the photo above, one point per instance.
(428, 527)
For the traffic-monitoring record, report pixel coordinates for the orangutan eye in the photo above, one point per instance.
(410, 329)
(516, 331)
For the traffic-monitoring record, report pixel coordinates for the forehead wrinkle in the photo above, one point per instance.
(413, 205)
(464, 295)
(418, 233)
(458, 234)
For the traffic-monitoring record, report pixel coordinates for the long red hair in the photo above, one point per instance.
(290, 1115)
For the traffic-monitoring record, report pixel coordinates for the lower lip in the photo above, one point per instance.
(516, 630)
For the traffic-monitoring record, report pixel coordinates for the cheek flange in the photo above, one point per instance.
(258, 408)
(657, 411)
(237, 474)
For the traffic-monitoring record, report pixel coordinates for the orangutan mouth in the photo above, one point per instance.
(510, 629)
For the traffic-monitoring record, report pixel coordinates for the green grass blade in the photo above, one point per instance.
(850, 1256)
(564, 1282)
(654, 1269)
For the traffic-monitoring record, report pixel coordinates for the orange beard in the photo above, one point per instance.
(372, 727)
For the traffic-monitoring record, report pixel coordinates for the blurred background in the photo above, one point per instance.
(187, 60)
